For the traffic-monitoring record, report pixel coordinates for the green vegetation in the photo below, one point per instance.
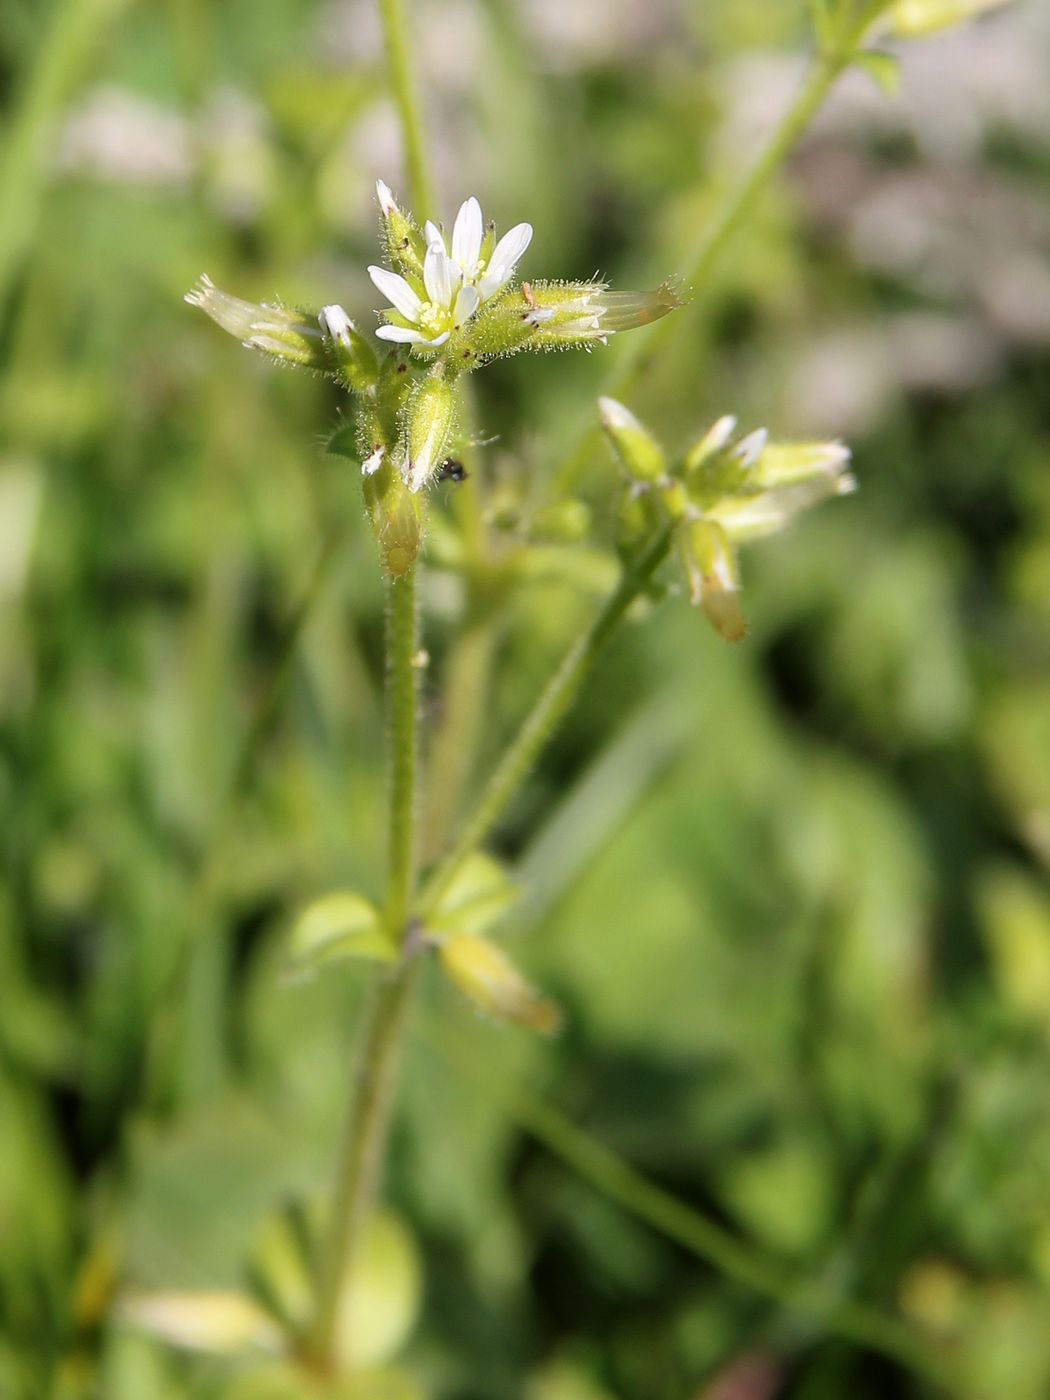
(790, 897)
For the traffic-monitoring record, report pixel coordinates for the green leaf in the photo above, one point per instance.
(884, 67)
(479, 894)
(339, 925)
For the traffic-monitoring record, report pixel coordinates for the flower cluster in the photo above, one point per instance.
(722, 494)
(454, 305)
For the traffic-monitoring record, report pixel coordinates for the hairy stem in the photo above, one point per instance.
(403, 87)
(402, 706)
(541, 721)
(360, 1160)
(373, 1087)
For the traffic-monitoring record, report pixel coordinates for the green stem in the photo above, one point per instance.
(826, 69)
(360, 1159)
(541, 721)
(402, 705)
(402, 83)
(372, 1090)
(676, 1221)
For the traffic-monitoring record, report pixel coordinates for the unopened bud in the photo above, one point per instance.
(431, 422)
(713, 442)
(351, 352)
(282, 332)
(396, 517)
(404, 242)
(638, 451)
(485, 975)
(787, 463)
(910, 19)
(711, 572)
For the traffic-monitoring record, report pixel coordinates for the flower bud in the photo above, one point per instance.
(396, 517)
(787, 463)
(405, 245)
(353, 355)
(638, 451)
(431, 423)
(283, 332)
(485, 975)
(711, 571)
(751, 517)
(909, 19)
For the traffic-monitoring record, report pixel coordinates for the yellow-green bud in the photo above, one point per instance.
(638, 451)
(485, 974)
(396, 517)
(787, 463)
(351, 353)
(430, 430)
(911, 18)
(405, 244)
(711, 571)
(282, 332)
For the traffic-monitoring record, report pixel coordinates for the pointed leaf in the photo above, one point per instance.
(885, 68)
(480, 893)
(339, 925)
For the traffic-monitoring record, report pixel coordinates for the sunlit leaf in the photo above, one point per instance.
(339, 925)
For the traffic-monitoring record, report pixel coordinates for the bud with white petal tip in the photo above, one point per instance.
(637, 450)
(350, 351)
(396, 516)
(711, 570)
(405, 244)
(282, 332)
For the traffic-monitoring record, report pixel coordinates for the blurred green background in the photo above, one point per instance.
(794, 895)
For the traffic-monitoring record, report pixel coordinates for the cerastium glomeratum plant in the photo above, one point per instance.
(454, 305)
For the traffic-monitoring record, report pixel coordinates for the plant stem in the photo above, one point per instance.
(402, 83)
(825, 71)
(360, 1158)
(541, 721)
(372, 1090)
(402, 705)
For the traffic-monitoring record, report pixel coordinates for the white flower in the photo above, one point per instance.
(455, 283)
(488, 274)
(449, 303)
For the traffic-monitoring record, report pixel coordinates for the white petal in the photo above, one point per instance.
(374, 461)
(467, 303)
(402, 335)
(438, 339)
(336, 324)
(441, 276)
(433, 234)
(509, 249)
(397, 291)
(384, 194)
(467, 233)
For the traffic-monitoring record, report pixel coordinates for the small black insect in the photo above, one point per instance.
(451, 470)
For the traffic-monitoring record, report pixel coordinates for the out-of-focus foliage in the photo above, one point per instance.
(793, 896)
